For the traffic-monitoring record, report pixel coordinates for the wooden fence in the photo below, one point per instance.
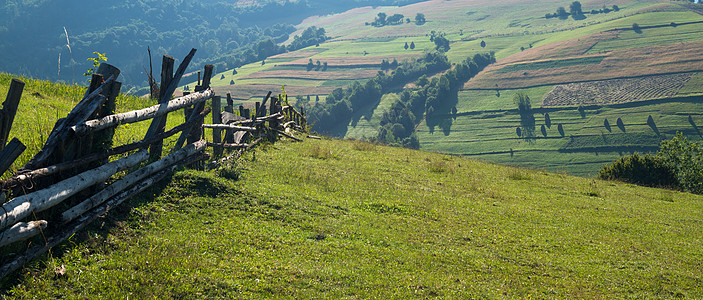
(63, 188)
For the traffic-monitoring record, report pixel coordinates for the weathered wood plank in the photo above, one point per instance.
(79, 114)
(142, 114)
(69, 229)
(227, 126)
(21, 231)
(283, 133)
(20, 207)
(9, 110)
(131, 179)
(8, 155)
(159, 123)
(24, 177)
(217, 119)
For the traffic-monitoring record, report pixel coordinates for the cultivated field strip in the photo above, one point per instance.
(616, 90)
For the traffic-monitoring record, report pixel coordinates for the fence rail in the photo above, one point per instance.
(72, 168)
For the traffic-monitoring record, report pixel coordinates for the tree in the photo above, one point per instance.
(616, 8)
(317, 98)
(527, 118)
(318, 65)
(636, 28)
(483, 44)
(441, 43)
(420, 19)
(685, 159)
(547, 120)
(222, 77)
(395, 19)
(606, 124)
(324, 66)
(380, 20)
(412, 45)
(310, 65)
(234, 72)
(576, 12)
(561, 13)
(406, 46)
(231, 82)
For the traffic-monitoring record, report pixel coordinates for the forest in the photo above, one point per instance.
(44, 39)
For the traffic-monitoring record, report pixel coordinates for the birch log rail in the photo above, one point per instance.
(77, 180)
(143, 114)
(22, 206)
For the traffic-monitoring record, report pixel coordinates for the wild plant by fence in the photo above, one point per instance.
(63, 188)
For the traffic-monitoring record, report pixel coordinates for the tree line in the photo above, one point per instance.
(225, 35)
(434, 98)
(339, 106)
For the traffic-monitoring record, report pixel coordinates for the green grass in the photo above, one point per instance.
(553, 64)
(480, 100)
(667, 35)
(365, 124)
(382, 223)
(491, 136)
(693, 86)
(44, 102)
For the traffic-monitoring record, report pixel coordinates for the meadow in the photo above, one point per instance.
(43, 103)
(598, 60)
(346, 219)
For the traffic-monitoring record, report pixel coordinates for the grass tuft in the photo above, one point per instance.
(321, 152)
(518, 174)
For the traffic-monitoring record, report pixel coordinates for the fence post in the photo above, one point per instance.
(9, 110)
(9, 154)
(217, 119)
(159, 123)
(195, 133)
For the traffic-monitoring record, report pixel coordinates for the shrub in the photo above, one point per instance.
(685, 159)
(647, 170)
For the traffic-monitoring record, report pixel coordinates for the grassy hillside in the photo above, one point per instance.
(44, 102)
(341, 219)
(560, 64)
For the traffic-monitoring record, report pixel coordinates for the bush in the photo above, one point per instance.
(647, 170)
(685, 159)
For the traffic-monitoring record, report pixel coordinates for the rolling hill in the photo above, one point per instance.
(580, 72)
(345, 219)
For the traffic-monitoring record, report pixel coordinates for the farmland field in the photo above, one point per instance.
(617, 90)
(586, 143)
(599, 60)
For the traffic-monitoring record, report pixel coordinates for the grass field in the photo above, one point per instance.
(491, 136)
(335, 219)
(556, 62)
(44, 102)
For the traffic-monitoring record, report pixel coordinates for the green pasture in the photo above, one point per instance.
(491, 136)
(343, 219)
(693, 86)
(482, 100)
(553, 64)
(365, 124)
(660, 36)
(503, 46)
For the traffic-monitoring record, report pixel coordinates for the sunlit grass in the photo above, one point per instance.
(383, 224)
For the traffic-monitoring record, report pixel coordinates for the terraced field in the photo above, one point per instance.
(616, 90)
(560, 64)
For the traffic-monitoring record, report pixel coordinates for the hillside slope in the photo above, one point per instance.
(582, 74)
(340, 219)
